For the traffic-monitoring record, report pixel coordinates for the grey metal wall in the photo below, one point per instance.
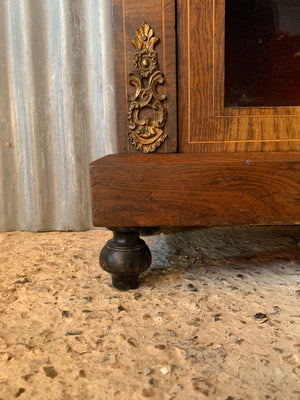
(56, 109)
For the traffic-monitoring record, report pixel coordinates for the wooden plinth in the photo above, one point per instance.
(130, 190)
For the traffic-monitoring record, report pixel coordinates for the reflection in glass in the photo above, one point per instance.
(262, 53)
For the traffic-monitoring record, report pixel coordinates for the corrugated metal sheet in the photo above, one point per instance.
(56, 110)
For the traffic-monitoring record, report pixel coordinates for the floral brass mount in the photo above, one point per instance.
(146, 113)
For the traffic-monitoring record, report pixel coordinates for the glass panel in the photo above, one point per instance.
(262, 53)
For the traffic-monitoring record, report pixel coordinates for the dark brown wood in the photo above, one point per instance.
(128, 15)
(204, 124)
(196, 190)
(125, 256)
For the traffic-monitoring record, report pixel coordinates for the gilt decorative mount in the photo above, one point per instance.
(146, 112)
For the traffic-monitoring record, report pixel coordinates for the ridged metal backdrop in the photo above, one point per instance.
(56, 110)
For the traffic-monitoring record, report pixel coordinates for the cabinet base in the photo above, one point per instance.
(185, 190)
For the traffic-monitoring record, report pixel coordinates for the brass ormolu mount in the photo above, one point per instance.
(146, 113)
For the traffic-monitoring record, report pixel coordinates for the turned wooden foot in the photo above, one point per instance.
(125, 256)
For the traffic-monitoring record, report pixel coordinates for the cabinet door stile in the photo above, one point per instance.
(158, 119)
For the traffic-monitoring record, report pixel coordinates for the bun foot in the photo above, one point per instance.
(125, 256)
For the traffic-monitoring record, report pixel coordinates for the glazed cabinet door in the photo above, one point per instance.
(238, 75)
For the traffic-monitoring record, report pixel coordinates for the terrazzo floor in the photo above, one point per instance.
(216, 317)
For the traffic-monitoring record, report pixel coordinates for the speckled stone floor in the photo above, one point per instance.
(216, 317)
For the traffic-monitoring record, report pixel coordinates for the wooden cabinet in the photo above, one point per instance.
(208, 118)
(205, 124)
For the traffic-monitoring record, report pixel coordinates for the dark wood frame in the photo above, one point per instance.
(209, 126)
(221, 185)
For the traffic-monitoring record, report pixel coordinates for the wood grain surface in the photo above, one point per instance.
(204, 124)
(128, 16)
(196, 190)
